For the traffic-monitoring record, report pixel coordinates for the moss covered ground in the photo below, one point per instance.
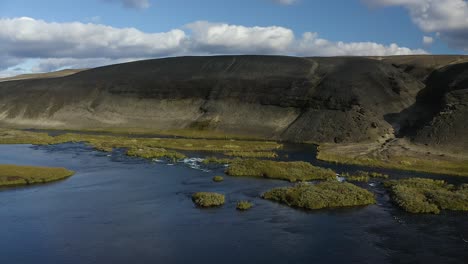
(327, 194)
(214, 160)
(419, 195)
(405, 158)
(363, 176)
(252, 154)
(218, 178)
(208, 199)
(144, 147)
(290, 171)
(243, 205)
(14, 175)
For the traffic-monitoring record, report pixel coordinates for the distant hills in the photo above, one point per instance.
(336, 99)
(54, 74)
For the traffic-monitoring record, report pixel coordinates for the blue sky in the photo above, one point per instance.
(351, 27)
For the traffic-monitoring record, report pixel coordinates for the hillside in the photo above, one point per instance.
(342, 99)
(55, 74)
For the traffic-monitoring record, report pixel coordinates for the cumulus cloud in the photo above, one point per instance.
(28, 38)
(448, 18)
(310, 43)
(223, 38)
(138, 4)
(428, 40)
(55, 46)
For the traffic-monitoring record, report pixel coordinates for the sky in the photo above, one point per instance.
(49, 35)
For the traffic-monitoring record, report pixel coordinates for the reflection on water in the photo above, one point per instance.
(118, 209)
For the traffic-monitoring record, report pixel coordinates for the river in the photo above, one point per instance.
(118, 209)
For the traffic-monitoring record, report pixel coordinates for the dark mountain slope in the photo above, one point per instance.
(345, 99)
(445, 101)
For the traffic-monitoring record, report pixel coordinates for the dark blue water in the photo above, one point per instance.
(117, 209)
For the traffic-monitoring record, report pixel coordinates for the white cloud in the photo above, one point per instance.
(310, 43)
(223, 38)
(449, 18)
(27, 38)
(285, 2)
(138, 4)
(428, 40)
(76, 45)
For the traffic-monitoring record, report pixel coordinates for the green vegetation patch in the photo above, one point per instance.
(155, 153)
(218, 178)
(244, 205)
(419, 195)
(291, 171)
(24, 137)
(208, 199)
(214, 160)
(143, 147)
(327, 194)
(400, 162)
(13, 175)
(252, 154)
(363, 176)
(149, 148)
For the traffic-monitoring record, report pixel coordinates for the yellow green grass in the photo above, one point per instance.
(243, 205)
(214, 160)
(141, 147)
(400, 162)
(218, 178)
(363, 176)
(155, 153)
(185, 132)
(419, 195)
(327, 194)
(24, 137)
(208, 199)
(291, 171)
(252, 154)
(14, 175)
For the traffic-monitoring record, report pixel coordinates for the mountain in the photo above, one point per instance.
(336, 99)
(54, 74)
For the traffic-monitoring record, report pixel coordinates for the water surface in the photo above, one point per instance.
(118, 209)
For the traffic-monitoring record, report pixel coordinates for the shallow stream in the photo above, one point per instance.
(118, 209)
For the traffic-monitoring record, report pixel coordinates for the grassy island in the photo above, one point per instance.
(327, 194)
(363, 176)
(219, 161)
(155, 153)
(244, 205)
(208, 199)
(419, 195)
(146, 147)
(13, 175)
(252, 154)
(290, 171)
(218, 178)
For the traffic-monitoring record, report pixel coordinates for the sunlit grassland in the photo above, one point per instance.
(398, 162)
(363, 176)
(208, 199)
(290, 171)
(327, 194)
(145, 147)
(419, 195)
(244, 205)
(14, 175)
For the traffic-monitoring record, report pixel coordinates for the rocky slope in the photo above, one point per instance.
(445, 100)
(343, 99)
